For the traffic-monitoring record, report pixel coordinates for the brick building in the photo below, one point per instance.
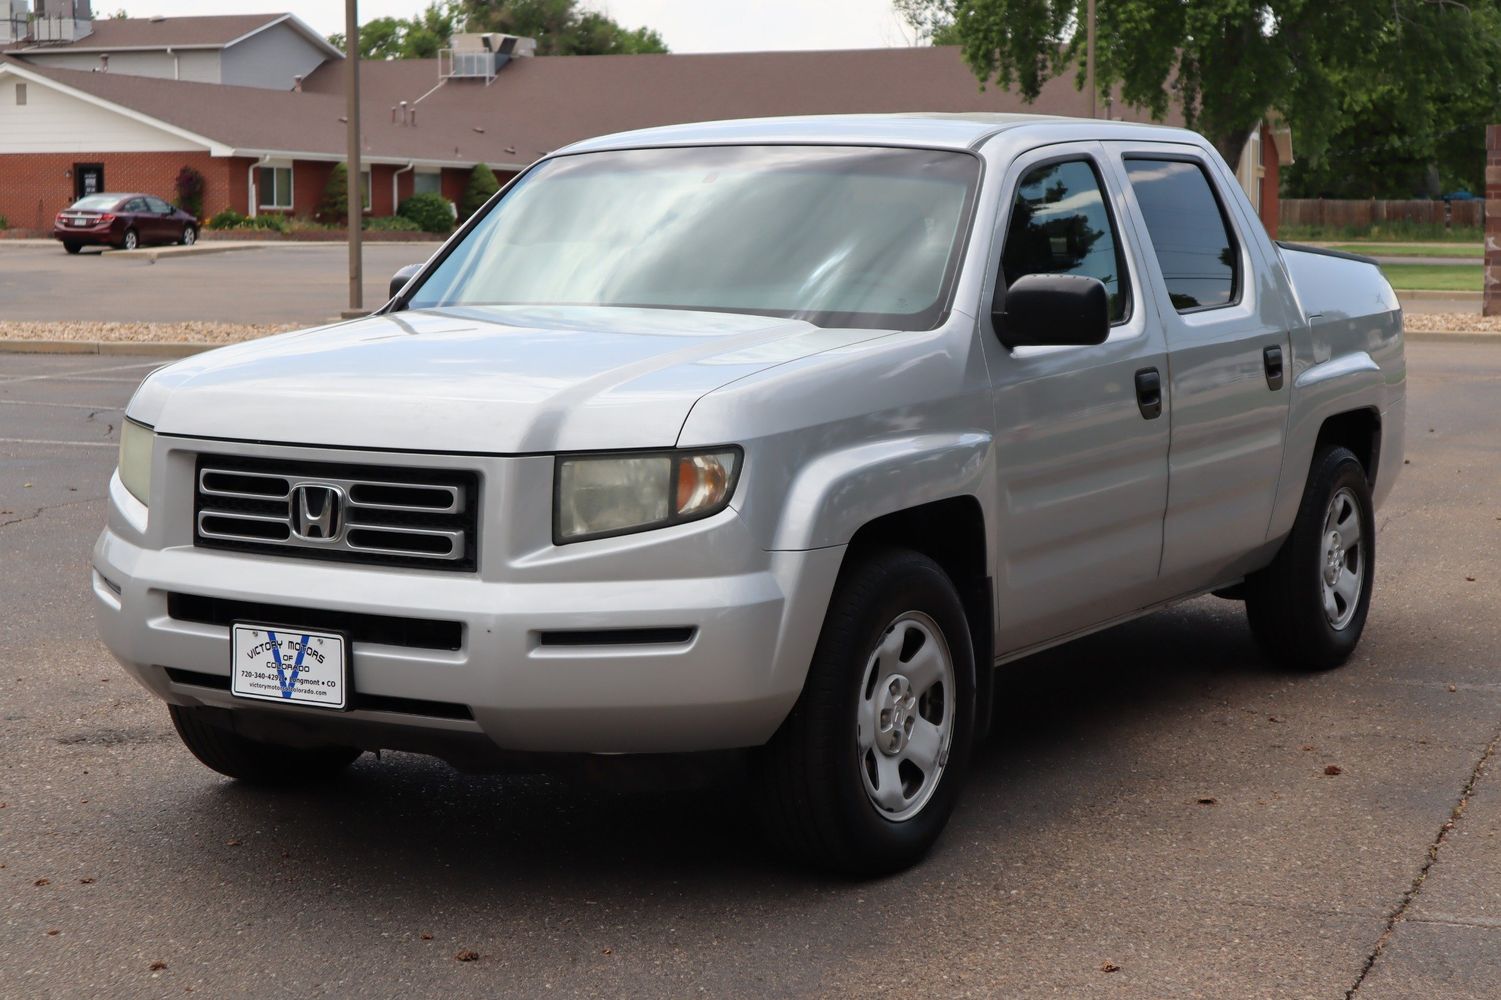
(256, 104)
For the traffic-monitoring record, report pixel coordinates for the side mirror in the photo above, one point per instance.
(400, 278)
(1053, 310)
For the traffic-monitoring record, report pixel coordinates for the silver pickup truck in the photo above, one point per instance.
(771, 437)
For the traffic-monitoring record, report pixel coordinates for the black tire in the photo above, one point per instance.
(810, 780)
(1285, 601)
(189, 235)
(72, 246)
(130, 240)
(252, 761)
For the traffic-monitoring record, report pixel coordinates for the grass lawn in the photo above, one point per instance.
(1413, 249)
(1434, 277)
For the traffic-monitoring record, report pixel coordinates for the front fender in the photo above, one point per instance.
(837, 493)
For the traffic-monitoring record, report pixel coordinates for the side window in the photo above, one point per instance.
(158, 206)
(136, 205)
(1060, 224)
(1199, 259)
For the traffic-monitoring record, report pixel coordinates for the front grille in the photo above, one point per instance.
(382, 630)
(390, 516)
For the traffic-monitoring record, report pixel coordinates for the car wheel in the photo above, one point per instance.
(252, 761)
(131, 240)
(72, 246)
(189, 235)
(1308, 608)
(863, 774)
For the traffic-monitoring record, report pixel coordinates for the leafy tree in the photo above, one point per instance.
(482, 184)
(334, 205)
(1227, 62)
(561, 27)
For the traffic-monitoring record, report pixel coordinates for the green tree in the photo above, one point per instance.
(482, 184)
(334, 205)
(1227, 62)
(561, 28)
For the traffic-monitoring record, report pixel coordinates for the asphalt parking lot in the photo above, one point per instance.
(1159, 814)
(275, 283)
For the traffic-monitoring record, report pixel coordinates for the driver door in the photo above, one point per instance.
(1082, 453)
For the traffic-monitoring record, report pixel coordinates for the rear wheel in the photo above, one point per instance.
(255, 762)
(131, 240)
(1308, 608)
(864, 772)
(189, 235)
(72, 246)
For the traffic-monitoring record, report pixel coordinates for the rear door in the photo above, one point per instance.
(1228, 359)
(1081, 461)
(137, 217)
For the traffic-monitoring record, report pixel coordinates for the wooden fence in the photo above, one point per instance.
(1362, 214)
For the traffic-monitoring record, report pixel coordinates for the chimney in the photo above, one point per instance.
(297, 84)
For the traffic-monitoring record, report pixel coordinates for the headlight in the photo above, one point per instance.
(135, 459)
(600, 495)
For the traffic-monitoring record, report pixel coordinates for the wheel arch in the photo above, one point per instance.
(952, 533)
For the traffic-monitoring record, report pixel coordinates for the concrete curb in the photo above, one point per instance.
(1418, 295)
(152, 349)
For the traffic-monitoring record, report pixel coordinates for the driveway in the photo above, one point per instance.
(277, 283)
(1160, 814)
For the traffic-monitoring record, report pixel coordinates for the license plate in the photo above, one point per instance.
(80, 222)
(290, 665)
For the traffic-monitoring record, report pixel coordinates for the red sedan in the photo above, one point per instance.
(125, 221)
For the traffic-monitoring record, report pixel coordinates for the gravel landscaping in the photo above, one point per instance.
(1450, 323)
(175, 333)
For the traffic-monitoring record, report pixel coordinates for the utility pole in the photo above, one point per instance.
(1094, 109)
(356, 175)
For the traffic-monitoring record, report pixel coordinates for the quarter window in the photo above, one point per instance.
(1199, 260)
(274, 185)
(1060, 224)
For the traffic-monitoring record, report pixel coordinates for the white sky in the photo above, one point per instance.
(687, 25)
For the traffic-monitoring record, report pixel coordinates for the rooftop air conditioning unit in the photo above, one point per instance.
(480, 55)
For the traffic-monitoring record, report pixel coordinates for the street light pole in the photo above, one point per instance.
(1094, 110)
(356, 175)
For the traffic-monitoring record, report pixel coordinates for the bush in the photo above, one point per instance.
(4, 223)
(392, 224)
(190, 186)
(334, 205)
(230, 219)
(482, 184)
(432, 213)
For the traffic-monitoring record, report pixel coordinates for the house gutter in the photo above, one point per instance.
(254, 198)
(411, 164)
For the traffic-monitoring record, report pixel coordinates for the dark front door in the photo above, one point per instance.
(88, 178)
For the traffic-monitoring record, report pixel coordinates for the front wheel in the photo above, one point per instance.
(189, 235)
(252, 761)
(864, 772)
(1308, 608)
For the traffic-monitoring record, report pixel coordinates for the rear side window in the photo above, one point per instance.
(1195, 250)
(1060, 224)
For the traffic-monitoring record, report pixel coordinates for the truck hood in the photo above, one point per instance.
(497, 380)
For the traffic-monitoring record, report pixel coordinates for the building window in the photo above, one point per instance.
(274, 185)
(427, 183)
(20, 95)
(365, 189)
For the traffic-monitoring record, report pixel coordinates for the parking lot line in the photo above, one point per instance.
(86, 371)
(65, 444)
(94, 407)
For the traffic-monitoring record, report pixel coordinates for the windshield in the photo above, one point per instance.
(95, 202)
(835, 235)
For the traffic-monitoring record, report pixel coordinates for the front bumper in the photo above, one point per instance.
(752, 618)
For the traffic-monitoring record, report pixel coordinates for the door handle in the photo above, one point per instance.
(1149, 393)
(1271, 359)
